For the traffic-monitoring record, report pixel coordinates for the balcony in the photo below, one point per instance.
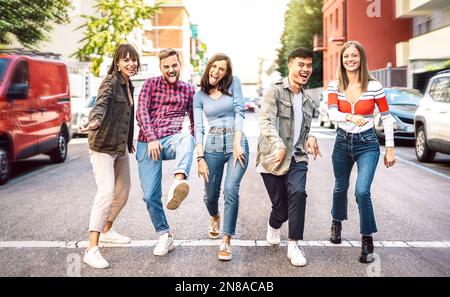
(411, 8)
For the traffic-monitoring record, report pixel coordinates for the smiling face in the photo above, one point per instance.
(351, 59)
(171, 69)
(217, 72)
(127, 66)
(300, 69)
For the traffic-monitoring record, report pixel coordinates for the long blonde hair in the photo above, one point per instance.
(363, 76)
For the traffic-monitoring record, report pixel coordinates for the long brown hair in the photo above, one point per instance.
(363, 75)
(121, 53)
(225, 82)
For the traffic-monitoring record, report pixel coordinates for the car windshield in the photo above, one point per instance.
(403, 97)
(90, 102)
(3, 65)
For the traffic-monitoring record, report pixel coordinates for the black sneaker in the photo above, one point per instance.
(366, 250)
(336, 228)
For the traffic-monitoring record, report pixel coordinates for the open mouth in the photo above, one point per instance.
(213, 79)
(304, 76)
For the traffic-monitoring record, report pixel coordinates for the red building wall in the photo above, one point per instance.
(379, 34)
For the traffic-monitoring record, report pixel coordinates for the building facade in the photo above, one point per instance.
(372, 22)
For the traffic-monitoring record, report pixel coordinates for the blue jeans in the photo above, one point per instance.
(177, 147)
(216, 161)
(362, 148)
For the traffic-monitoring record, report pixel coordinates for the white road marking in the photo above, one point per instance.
(235, 243)
(423, 168)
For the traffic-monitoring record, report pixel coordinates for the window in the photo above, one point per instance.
(3, 65)
(20, 73)
(440, 89)
(336, 19)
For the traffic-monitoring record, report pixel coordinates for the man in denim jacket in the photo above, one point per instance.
(283, 147)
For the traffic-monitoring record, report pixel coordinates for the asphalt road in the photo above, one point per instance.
(45, 208)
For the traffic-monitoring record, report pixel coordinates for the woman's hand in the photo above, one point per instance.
(91, 126)
(356, 119)
(131, 149)
(203, 169)
(238, 154)
(389, 158)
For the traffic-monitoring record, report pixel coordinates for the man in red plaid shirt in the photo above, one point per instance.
(163, 104)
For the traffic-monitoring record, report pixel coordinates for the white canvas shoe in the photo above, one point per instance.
(164, 245)
(94, 259)
(296, 254)
(273, 235)
(113, 237)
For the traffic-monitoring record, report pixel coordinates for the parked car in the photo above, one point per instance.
(35, 115)
(403, 104)
(249, 104)
(432, 119)
(80, 117)
(322, 117)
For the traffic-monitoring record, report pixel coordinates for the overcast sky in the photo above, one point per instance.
(242, 29)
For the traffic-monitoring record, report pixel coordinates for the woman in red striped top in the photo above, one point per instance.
(351, 102)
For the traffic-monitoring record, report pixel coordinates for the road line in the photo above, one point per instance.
(236, 242)
(423, 168)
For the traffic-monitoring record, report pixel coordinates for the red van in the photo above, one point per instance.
(35, 112)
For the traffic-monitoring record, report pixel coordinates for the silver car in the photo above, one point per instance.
(432, 119)
(80, 117)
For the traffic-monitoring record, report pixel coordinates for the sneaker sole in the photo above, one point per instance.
(278, 242)
(225, 258)
(94, 266)
(160, 255)
(213, 235)
(116, 242)
(179, 194)
(301, 265)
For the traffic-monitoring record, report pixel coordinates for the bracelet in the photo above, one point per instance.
(200, 157)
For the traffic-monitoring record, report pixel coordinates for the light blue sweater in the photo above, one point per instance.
(224, 112)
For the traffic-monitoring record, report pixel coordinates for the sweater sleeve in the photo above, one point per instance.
(333, 103)
(238, 104)
(198, 117)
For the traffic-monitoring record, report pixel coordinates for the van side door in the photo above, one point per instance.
(24, 107)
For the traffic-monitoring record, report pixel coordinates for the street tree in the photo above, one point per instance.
(110, 26)
(303, 19)
(29, 21)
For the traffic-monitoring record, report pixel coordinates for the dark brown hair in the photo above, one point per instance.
(225, 82)
(121, 53)
(363, 76)
(300, 52)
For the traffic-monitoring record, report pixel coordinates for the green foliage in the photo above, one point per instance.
(110, 26)
(302, 20)
(443, 65)
(30, 20)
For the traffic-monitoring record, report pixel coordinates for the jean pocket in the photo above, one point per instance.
(141, 152)
(340, 137)
(370, 138)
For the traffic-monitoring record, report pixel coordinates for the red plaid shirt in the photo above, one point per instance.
(162, 107)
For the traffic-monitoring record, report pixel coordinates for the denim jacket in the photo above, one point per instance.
(276, 124)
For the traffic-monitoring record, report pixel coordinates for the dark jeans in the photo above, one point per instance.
(362, 148)
(288, 196)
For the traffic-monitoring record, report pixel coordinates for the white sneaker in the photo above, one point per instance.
(296, 254)
(94, 259)
(113, 237)
(273, 235)
(164, 245)
(177, 193)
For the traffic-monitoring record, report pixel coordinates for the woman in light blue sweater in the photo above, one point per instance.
(220, 99)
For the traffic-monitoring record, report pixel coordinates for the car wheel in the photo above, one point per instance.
(423, 151)
(5, 165)
(59, 154)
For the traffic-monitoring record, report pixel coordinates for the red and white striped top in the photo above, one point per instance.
(339, 106)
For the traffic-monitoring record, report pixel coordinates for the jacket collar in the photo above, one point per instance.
(286, 85)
